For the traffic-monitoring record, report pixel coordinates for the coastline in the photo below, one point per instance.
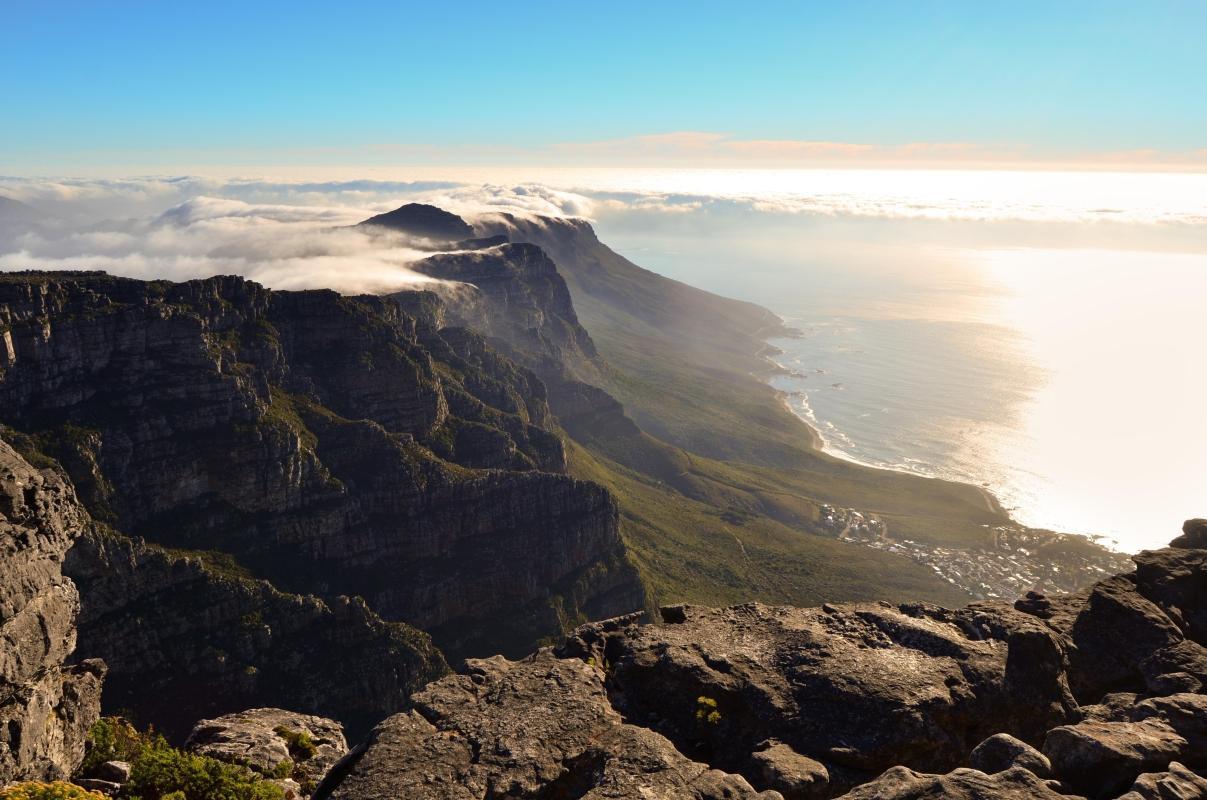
(818, 442)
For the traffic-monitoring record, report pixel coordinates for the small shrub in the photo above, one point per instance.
(159, 771)
(301, 746)
(58, 790)
(165, 773)
(114, 739)
(706, 710)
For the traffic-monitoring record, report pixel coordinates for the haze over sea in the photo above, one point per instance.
(1040, 334)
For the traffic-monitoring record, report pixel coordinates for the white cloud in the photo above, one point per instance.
(293, 234)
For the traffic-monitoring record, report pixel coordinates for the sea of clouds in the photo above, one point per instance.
(297, 234)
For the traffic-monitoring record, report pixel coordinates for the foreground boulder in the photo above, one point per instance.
(46, 707)
(859, 688)
(298, 748)
(1002, 751)
(1178, 783)
(542, 727)
(900, 783)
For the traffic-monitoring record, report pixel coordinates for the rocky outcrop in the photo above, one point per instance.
(521, 302)
(539, 728)
(250, 644)
(901, 783)
(819, 681)
(1178, 783)
(46, 706)
(1002, 751)
(1194, 535)
(871, 700)
(297, 749)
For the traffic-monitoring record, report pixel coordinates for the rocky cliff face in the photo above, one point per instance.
(520, 300)
(334, 445)
(1096, 695)
(46, 706)
(190, 635)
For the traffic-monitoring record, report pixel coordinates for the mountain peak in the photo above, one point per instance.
(420, 219)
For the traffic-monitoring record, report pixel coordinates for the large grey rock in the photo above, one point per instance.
(1177, 783)
(1103, 758)
(542, 727)
(859, 687)
(794, 776)
(1002, 751)
(1194, 535)
(1176, 580)
(273, 742)
(900, 783)
(46, 707)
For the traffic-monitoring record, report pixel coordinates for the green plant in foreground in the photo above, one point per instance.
(706, 710)
(301, 746)
(165, 773)
(58, 790)
(114, 739)
(159, 771)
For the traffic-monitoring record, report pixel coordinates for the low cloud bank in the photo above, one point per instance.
(295, 235)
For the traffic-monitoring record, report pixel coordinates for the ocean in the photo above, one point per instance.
(1060, 365)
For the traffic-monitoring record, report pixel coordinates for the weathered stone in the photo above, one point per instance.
(1178, 783)
(272, 741)
(1194, 535)
(1113, 633)
(1176, 580)
(794, 776)
(863, 687)
(542, 727)
(1002, 751)
(1173, 683)
(1103, 758)
(111, 788)
(46, 707)
(900, 783)
(116, 771)
(1187, 657)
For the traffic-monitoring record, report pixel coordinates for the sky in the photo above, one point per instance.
(125, 87)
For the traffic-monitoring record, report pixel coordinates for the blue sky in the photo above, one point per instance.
(165, 84)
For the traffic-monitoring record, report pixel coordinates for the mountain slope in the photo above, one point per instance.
(333, 445)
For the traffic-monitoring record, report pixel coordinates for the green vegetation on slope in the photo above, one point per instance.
(696, 552)
(724, 460)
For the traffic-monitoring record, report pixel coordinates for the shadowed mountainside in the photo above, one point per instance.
(333, 445)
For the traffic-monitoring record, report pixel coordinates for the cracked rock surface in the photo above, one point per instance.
(1077, 696)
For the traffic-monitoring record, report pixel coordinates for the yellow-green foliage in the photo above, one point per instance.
(58, 790)
(159, 771)
(706, 710)
(165, 773)
(301, 746)
(114, 739)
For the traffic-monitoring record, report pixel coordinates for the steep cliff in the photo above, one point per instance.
(190, 635)
(46, 706)
(1087, 695)
(333, 445)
